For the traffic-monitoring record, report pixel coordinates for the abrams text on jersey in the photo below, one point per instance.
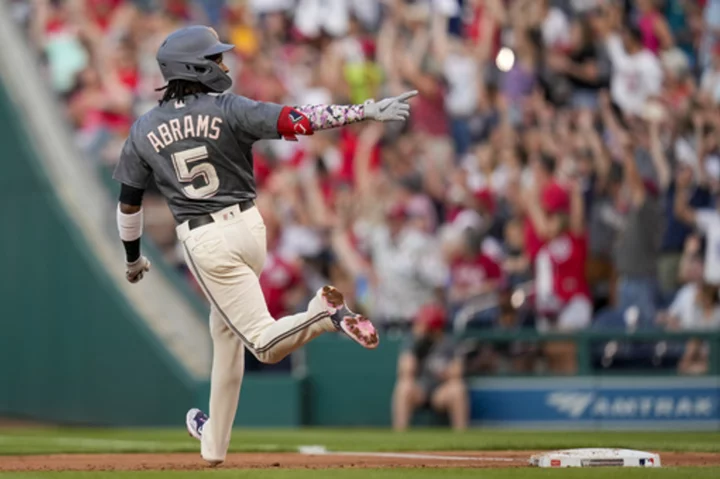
(189, 126)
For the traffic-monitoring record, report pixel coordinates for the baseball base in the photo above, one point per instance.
(596, 457)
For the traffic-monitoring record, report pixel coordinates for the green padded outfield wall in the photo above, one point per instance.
(343, 377)
(71, 350)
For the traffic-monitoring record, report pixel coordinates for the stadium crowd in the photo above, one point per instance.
(559, 171)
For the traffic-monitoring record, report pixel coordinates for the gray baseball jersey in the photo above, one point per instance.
(198, 151)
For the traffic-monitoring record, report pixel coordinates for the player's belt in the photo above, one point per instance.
(203, 220)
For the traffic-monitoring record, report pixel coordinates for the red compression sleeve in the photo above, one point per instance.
(292, 123)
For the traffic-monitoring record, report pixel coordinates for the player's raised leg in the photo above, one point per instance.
(328, 299)
(238, 298)
(286, 334)
(226, 258)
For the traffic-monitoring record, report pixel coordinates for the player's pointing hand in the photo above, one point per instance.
(395, 108)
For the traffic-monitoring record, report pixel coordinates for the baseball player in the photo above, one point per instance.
(196, 144)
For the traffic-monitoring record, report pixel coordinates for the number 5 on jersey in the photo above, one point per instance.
(187, 172)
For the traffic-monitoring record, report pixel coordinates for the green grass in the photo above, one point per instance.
(674, 473)
(76, 440)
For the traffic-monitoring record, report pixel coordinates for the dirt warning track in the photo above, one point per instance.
(185, 461)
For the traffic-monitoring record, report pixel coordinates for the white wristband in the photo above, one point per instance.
(130, 227)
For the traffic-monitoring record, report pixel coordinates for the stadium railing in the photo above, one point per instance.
(596, 351)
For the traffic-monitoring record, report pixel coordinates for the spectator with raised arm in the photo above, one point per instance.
(637, 74)
(561, 290)
(585, 64)
(562, 295)
(707, 221)
(638, 244)
(688, 185)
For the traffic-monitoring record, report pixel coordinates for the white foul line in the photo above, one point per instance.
(398, 455)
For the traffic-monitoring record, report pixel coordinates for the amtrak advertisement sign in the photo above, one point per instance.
(621, 404)
(638, 402)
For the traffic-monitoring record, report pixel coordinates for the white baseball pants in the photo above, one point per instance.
(226, 257)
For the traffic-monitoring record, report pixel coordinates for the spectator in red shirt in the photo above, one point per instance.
(472, 273)
(562, 295)
(561, 291)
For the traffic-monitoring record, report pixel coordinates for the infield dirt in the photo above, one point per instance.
(186, 461)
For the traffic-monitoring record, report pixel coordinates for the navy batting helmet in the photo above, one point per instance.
(185, 55)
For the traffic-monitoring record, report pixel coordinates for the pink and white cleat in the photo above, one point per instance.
(356, 326)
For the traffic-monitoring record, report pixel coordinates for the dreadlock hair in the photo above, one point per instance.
(179, 89)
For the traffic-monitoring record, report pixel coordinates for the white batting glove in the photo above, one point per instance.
(137, 269)
(390, 109)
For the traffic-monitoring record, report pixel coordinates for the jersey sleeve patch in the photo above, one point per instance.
(292, 123)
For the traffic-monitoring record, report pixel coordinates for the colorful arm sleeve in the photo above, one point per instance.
(324, 117)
